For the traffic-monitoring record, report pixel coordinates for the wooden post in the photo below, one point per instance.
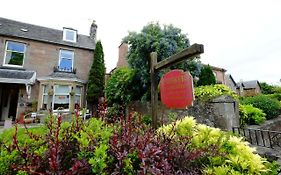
(154, 93)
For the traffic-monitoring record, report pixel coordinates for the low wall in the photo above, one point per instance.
(222, 112)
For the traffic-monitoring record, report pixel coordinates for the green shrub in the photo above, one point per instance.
(271, 107)
(266, 88)
(276, 96)
(57, 148)
(10, 157)
(251, 115)
(146, 119)
(121, 88)
(206, 93)
(236, 156)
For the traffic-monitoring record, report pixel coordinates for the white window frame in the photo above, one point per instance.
(73, 55)
(53, 101)
(65, 30)
(44, 94)
(80, 95)
(5, 55)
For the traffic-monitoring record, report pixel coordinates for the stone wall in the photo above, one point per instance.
(222, 112)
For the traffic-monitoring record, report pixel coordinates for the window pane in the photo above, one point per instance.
(66, 59)
(61, 99)
(65, 64)
(61, 89)
(78, 90)
(45, 87)
(14, 58)
(69, 35)
(45, 99)
(77, 99)
(66, 54)
(14, 46)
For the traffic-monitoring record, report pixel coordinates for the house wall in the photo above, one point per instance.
(230, 84)
(123, 50)
(43, 57)
(220, 76)
(250, 92)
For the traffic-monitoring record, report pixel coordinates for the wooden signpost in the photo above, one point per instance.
(188, 53)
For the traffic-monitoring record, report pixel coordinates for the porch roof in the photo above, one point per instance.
(17, 76)
(62, 76)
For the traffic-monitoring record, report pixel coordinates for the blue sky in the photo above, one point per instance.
(241, 36)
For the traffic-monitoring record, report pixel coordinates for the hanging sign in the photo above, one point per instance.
(176, 89)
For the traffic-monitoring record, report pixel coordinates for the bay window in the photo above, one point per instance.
(61, 97)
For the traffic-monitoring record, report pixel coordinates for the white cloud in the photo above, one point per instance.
(242, 36)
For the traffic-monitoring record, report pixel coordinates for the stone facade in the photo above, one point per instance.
(42, 57)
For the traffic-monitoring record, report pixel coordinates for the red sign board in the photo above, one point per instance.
(176, 89)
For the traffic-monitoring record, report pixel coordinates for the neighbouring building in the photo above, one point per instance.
(249, 88)
(43, 66)
(229, 81)
(219, 73)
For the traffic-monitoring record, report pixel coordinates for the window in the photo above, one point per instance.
(61, 97)
(69, 35)
(15, 53)
(45, 96)
(66, 60)
(77, 99)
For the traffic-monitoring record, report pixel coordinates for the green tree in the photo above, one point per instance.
(266, 88)
(96, 77)
(166, 41)
(206, 76)
(120, 88)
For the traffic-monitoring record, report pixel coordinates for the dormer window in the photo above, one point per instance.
(69, 35)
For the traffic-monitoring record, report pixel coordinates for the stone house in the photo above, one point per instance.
(248, 88)
(230, 82)
(43, 66)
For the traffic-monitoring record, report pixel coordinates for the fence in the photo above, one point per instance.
(264, 138)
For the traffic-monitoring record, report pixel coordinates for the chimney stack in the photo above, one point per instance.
(123, 51)
(93, 30)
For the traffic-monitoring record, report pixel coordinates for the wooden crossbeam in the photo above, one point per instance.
(188, 53)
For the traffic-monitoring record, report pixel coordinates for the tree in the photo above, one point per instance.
(206, 76)
(266, 88)
(120, 87)
(166, 41)
(96, 77)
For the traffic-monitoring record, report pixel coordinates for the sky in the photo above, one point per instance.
(241, 36)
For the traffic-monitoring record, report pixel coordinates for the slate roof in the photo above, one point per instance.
(251, 84)
(34, 32)
(239, 84)
(17, 76)
(64, 76)
(228, 76)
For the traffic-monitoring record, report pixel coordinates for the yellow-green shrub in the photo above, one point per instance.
(206, 93)
(236, 156)
(251, 115)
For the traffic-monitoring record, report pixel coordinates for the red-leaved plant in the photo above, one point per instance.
(60, 156)
(137, 149)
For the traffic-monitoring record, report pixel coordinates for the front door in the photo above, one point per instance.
(8, 101)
